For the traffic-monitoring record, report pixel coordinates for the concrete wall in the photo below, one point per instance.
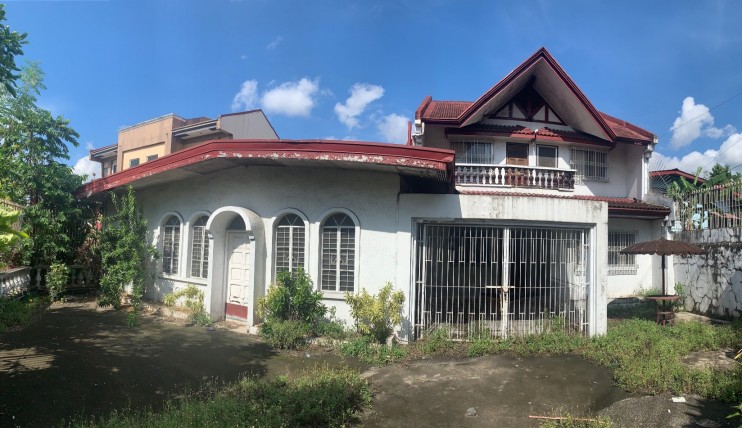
(151, 137)
(712, 281)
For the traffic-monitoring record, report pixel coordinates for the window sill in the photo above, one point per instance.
(333, 295)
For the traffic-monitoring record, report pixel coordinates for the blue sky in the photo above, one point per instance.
(359, 69)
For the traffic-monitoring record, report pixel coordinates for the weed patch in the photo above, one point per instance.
(319, 397)
(18, 313)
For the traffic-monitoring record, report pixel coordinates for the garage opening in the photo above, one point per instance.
(500, 281)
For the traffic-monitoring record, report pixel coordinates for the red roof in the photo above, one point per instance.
(218, 154)
(675, 173)
(457, 112)
(516, 131)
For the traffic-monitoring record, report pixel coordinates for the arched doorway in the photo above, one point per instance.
(235, 269)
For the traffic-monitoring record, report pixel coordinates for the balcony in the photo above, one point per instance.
(514, 176)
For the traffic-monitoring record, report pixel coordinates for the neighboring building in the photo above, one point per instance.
(506, 215)
(661, 180)
(154, 138)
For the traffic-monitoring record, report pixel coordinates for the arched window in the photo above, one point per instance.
(199, 249)
(289, 239)
(171, 245)
(338, 242)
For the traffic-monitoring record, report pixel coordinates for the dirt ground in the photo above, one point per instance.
(80, 360)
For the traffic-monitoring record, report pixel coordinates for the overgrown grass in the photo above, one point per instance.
(319, 397)
(18, 313)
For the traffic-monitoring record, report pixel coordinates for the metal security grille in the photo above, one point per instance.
(621, 264)
(474, 153)
(591, 165)
(338, 254)
(171, 246)
(289, 244)
(200, 249)
(499, 280)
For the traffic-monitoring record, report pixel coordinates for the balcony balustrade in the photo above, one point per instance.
(514, 176)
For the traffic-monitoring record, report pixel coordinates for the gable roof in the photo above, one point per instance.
(554, 85)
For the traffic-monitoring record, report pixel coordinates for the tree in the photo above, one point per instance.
(32, 145)
(124, 254)
(8, 235)
(10, 47)
(722, 174)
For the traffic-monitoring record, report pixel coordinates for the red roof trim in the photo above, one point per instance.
(522, 132)
(421, 108)
(663, 172)
(323, 150)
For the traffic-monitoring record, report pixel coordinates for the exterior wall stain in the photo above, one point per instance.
(712, 281)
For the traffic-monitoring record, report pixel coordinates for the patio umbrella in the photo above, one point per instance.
(663, 247)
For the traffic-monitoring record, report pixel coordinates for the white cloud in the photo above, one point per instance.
(247, 96)
(393, 128)
(272, 45)
(361, 95)
(84, 166)
(695, 121)
(291, 98)
(729, 153)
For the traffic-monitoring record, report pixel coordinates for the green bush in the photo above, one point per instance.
(376, 316)
(17, 313)
(319, 397)
(293, 298)
(56, 280)
(194, 302)
(285, 334)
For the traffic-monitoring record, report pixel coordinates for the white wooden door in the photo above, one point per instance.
(238, 267)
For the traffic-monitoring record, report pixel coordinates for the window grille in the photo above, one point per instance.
(200, 249)
(289, 238)
(621, 264)
(171, 246)
(590, 165)
(338, 254)
(476, 153)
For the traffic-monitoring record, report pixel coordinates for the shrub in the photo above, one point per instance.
(194, 302)
(285, 334)
(376, 316)
(56, 280)
(438, 340)
(293, 298)
(17, 313)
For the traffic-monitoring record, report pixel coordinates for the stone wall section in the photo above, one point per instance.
(713, 281)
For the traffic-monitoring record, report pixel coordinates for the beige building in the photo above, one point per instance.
(154, 138)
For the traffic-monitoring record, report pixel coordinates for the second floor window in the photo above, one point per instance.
(133, 162)
(546, 156)
(171, 245)
(476, 153)
(151, 158)
(591, 165)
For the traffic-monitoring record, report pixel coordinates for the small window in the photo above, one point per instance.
(621, 264)
(200, 249)
(338, 244)
(151, 158)
(546, 156)
(289, 240)
(517, 154)
(171, 245)
(133, 162)
(113, 168)
(590, 165)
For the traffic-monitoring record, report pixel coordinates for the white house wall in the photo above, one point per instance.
(649, 273)
(386, 220)
(370, 197)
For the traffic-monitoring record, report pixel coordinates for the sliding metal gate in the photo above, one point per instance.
(500, 280)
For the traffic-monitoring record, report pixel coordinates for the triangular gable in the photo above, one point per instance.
(546, 76)
(528, 105)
